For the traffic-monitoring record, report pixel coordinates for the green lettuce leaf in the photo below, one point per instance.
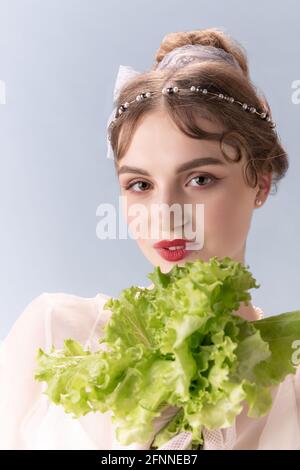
(177, 344)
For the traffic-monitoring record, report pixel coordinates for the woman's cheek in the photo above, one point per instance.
(136, 217)
(229, 222)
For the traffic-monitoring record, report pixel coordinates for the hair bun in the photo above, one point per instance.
(206, 37)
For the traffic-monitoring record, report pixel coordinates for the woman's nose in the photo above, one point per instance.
(169, 196)
(170, 208)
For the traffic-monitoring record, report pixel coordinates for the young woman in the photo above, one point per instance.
(193, 130)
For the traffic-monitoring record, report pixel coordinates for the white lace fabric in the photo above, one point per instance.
(217, 439)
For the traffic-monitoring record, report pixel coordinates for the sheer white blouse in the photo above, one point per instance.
(29, 421)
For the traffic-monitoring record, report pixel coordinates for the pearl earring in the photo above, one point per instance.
(258, 202)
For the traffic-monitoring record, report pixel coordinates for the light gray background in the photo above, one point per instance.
(59, 60)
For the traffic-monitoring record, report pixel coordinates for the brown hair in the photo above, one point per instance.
(264, 150)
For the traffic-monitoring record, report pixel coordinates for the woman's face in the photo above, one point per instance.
(158, 148)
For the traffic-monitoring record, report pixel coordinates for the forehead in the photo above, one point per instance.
(157, 140)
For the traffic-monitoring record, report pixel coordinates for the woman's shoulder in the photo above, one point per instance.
(51, 317)
(74, 316)
(48, 319)
(55, 298)
(65, 305)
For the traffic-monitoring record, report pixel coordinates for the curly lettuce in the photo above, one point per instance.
(178, 344)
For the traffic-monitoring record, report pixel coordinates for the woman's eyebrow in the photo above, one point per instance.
(183, 167)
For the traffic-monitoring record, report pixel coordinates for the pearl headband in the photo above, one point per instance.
(178, 58)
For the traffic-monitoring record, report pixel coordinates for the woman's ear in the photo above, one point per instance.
(264, 185)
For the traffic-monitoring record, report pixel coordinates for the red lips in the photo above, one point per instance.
(168, 243)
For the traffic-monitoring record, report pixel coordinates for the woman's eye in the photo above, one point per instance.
(141, 184)
(203, 177)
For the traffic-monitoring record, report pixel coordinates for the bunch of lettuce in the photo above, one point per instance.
(178, 344)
